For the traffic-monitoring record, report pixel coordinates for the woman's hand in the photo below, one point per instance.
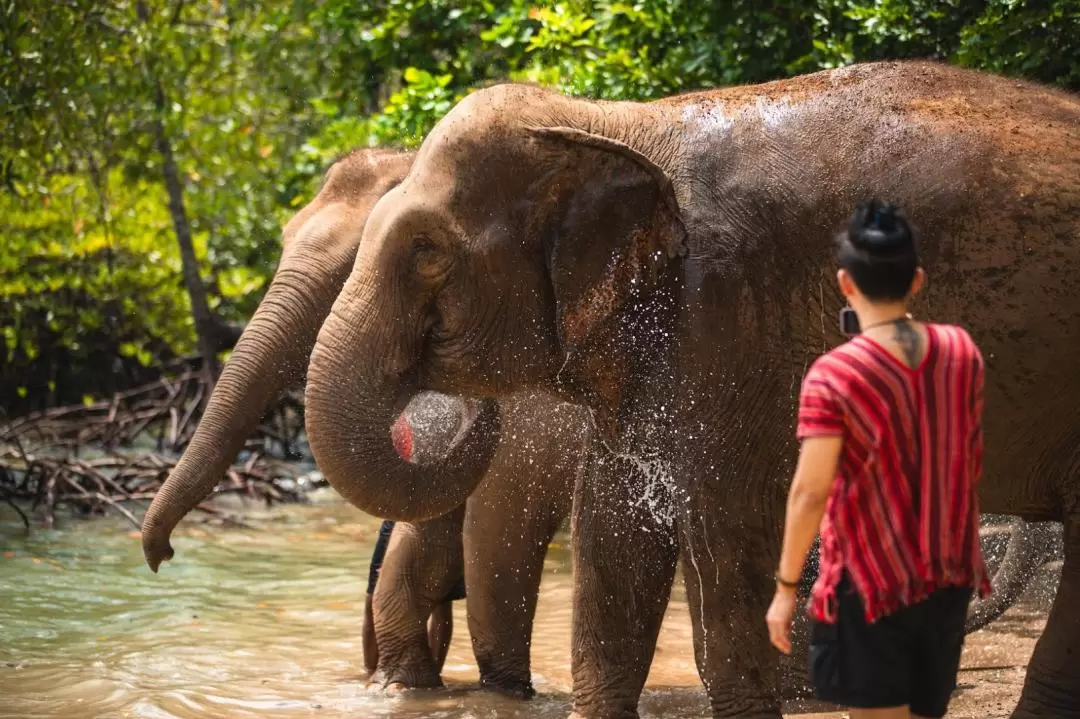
(779, 618)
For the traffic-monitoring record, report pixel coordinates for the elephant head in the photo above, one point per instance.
(505, 260)
(318, 248)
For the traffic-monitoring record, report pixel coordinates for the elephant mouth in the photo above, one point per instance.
(432, 425)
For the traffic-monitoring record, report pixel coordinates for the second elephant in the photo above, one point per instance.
(319, 248)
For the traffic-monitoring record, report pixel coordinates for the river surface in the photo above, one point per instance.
(266, 622)
(252, 623)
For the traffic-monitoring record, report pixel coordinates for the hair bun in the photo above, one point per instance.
(880, 228)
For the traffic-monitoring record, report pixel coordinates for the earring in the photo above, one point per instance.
(849, 322)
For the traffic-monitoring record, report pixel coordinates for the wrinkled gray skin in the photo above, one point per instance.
(668, 265)
(518, 505)
(508, 523)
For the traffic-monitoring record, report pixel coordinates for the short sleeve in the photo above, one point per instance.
(820, 414)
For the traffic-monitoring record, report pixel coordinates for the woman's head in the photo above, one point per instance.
(878, 255)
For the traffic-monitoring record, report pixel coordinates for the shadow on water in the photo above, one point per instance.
(263, 623)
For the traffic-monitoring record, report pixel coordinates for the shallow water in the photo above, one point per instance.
(253, 623)
(266, 622)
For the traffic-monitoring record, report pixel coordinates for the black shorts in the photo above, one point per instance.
(909, 657)
(456, 592)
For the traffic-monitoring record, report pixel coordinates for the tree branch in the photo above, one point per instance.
(176, 13)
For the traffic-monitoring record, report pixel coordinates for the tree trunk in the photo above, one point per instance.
(206, 324)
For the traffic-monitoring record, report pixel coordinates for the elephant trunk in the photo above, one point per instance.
(1029, 548)
(358, 383)
(269, 357)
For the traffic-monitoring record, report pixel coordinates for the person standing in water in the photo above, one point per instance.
(890, 425)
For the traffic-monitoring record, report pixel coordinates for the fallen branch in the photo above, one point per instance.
(169, 407)
(11, 503)
(116, 482)
(166, 412)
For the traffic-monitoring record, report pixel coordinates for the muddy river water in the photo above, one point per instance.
(266, 623)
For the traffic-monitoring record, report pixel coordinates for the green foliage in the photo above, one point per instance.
(263, 96)
(77, 289)
(1038, 40)
(60, 259)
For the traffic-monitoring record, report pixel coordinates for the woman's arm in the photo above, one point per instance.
(810, 490)
(815, 473)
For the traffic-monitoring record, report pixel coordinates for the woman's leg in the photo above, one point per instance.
(371, 651)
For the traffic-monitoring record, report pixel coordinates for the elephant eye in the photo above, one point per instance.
(421, 244)
(427, 261)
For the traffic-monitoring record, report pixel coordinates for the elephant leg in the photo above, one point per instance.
(625, 553)
(1052, 685)
(422, 563)
(509, 522)
(505, 546)
(726, 568)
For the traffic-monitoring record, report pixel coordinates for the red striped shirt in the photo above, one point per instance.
(903, 516)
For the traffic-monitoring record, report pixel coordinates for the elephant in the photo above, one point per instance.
(666, 264)
(503, 536)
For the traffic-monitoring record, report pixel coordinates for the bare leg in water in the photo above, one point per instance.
(371, 651)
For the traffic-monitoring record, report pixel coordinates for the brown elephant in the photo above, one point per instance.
(538, 460)
(667, 265)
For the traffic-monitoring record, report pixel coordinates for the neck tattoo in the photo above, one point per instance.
(910, 342)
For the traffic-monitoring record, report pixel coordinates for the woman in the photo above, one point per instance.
(891, 432)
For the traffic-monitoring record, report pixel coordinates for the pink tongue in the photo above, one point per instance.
(401, 436)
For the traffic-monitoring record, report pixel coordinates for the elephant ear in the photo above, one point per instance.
(620, 230)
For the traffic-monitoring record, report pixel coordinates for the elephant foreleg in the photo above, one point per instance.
(625, 553)
(423, 561)
(1052, 685)
(505, 545)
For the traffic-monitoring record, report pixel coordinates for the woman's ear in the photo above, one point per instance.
(917, 282)
(846, 282)
(619, 231)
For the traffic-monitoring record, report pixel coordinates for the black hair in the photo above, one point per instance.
(879, 250)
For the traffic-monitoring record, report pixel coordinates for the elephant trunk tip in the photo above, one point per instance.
(156, 547)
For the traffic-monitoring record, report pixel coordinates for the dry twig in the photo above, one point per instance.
(52, 473)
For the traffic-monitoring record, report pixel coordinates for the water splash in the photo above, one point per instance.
(701, 611)
(658, 490)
